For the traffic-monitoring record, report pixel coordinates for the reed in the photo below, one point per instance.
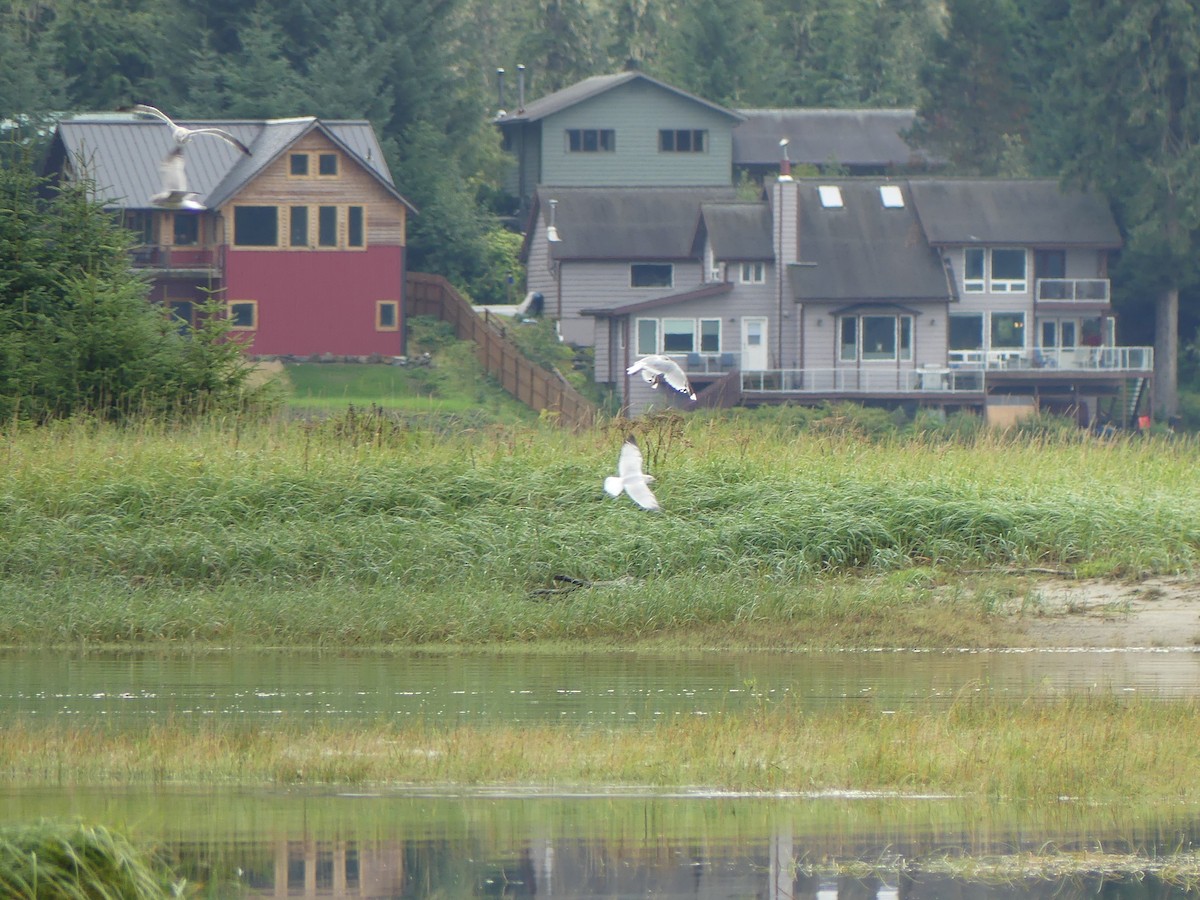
(1087, 748)
(362, 529)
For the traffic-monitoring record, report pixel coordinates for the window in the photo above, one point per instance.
(243, 315)
(681, 140)
(973, 276)
(298, 164)
(327, 226)
(710, 335)
(879, 337)
(355, 236)
(187, 230)
(327, 164)
(831, 196)
(255, 226)
(966, 332)
(591, 140)
(142, 225)
(298, 230)
(651, 275)
(387, 315)
(647, 336)
(753, 273)
(849, 333)
(679, 335)
(1008, 272)
(1008, 331)
(890, 196)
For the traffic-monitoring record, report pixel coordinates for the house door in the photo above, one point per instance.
(754, 343)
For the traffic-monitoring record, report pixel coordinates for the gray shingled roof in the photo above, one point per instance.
(591, 87)
(627, 223)
(852, 137)
(121, 152)
(704, 292)
(1012, 211)
(864, 251)
(738, 231)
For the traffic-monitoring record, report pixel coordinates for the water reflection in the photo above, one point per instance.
(604, 689)
(260, 844)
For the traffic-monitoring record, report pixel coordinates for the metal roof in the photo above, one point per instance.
(626, 223)
(864, 251)
(738, 231)
(1024, 212)
(592, 87)
(851, 137)
(121, 153)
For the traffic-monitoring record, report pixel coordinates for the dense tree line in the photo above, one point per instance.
(1099, 94)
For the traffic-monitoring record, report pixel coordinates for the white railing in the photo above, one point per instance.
(1072, 290)
(707, 363)
(1088, 359)
(864, 381)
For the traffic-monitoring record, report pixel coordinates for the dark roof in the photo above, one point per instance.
(864, 252)
(626, 223)
(852, 137)
(712, 289)
(738, 231)
(1012, 211)
(121, 152)
(592, 87)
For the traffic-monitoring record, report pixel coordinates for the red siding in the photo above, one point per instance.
(312, 302)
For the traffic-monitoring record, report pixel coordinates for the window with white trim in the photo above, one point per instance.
(1001, 270)
(1008, 331)
(710, 335)
(647, 336)
(876, 338)
(679, 335)
(753, 273)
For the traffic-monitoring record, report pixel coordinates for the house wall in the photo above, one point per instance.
(588, 284)
(313, 303)
(636, 111)
(820, 336)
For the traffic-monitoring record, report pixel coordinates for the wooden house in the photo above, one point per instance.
(303, 240)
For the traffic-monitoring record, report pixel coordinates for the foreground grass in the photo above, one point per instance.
(1094, 749)
(359, 531)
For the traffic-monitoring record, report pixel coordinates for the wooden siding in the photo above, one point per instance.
(386, 217)
(636, 111)
(534, 386)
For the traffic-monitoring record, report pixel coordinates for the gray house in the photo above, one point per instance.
(987, 294)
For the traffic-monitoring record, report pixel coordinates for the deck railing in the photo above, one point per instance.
(1072, 290)
(1095, 359)
(173, 258)
(943, 380)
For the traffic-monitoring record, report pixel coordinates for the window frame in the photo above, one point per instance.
(328, 239)
(1008, 285)
(995, 321)
(701, 333)
(646, 270)
(673, 328)
(237, 229)
(590, 140)
(974, 270)
(328, 156)
(296, 157)
(294, 219)
(752, 273)
(645, 348)
(669, 140)
(253, 307)
(394, 306)
(896, 347)
(978, 319)
(352, 210)
(194, 220)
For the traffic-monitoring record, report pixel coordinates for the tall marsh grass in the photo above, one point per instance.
(362, 529)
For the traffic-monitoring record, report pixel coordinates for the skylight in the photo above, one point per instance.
(891, 196)
(831, 196)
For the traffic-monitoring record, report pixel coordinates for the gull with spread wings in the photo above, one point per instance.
(630, 478)
(657, 368)
(183, 135)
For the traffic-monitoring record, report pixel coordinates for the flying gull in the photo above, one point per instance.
(630, 478)
(658, 368)
(183, 135)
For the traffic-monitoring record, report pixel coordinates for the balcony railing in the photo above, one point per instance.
(160, 256)
(1094, 359)
(707, 363)
(938, 379)
(1072, 290)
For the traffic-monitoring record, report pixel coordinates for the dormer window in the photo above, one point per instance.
(591, 140)
(831, 196)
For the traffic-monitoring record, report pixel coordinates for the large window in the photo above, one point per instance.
(966, 332)
(327, 226)
(256, 226)
(591, 140)
(679, 336)
(876, 338)
(1008, 331)
(682, 140)
(1002, 270)
(651, 275)
(186, 229)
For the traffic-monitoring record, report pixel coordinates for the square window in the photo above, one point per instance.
(966, 332)
(831, 196)
(879, 337)
(298, 231)
(327, 226)
(387, 316)
(651, 275)
(256, 226)
(327, 164)
(187, 230)
(679, 335)
(298, 164)
(1008, 271)
(355, 236)
(243, 315)
(1008, 331)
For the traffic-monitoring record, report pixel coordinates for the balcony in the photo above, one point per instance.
(930, 379)
(183, 262)
(1070, 359)
(1073, 290)
(707, 363)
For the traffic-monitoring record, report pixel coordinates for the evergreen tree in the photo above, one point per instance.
(1129, 107)
(721, 52)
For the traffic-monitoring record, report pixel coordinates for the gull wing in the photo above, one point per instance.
(677, 378)
(630, 462)
(223, 135)
(641, 494)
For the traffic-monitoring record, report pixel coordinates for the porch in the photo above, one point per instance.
(179, 261)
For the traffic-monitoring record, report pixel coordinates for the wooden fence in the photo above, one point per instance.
(537, 388)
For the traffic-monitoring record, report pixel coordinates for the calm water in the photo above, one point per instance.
(605, 690)
(605, 844)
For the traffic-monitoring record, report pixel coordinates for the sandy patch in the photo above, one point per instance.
(1155, 612)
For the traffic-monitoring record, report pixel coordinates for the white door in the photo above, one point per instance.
(754, 343)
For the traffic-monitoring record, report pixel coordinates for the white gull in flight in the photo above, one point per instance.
(658, 368)
(183, 135)
(630, 478)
